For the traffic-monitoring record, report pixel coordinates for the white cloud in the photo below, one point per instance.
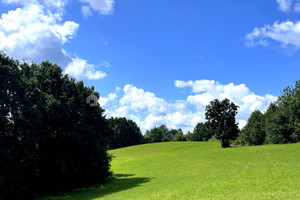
(284, 5)
(103, 7)
(80, 69)
(36, 32)
(106, 102)
(31, 34)
(140, 101)
(286, 33)
(197, 86)
(148, 110)
(242, 123)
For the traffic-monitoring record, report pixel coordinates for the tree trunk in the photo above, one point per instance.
(225, 143)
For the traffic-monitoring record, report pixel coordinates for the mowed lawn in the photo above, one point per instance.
(199, 170)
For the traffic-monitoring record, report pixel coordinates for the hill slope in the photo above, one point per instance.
(195, 170)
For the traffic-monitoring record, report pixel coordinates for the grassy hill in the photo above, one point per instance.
(196, 170)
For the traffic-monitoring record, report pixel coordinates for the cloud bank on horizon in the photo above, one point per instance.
(36, 31)
(148, 110)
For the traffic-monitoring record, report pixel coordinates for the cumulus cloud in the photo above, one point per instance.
(36, 32)
(148, 110)
(107, 102)
(140, 101)
(80, 69)
(286, 33)
(31, 34)
(240, 94)
(284, 5)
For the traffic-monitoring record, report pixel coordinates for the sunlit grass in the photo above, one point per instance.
(194, 170)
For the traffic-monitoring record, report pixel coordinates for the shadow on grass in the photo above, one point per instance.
(117, 183)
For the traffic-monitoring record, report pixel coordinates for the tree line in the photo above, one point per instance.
(51, 140)
(279, 124)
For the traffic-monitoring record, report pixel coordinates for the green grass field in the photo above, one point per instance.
(199, 170)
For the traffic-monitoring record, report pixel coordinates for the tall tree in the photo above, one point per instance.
(50, 139)
(254, 130)
(202, 132)
(221, 119)
(124, 133)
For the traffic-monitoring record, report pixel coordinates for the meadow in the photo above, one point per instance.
(198, 170)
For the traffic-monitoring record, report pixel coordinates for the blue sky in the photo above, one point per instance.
(160, 62)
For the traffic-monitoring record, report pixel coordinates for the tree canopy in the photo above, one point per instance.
(51, 140)
(279, 124)
(220, 116)
(254, 130)
(124, 133)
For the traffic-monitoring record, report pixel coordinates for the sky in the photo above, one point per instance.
(161, 62)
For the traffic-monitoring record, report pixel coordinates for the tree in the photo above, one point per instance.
(202, 132)
(276, 125)
(254, 130)
(124, 133)
(158, 134)
(221, 119)
(282, 119)
(179, 136)
(189, 136)
(280, 123)
(50, 139)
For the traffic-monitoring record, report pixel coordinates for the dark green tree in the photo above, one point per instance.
(254, 130)
(276, 125)
(202, 132)
(172, 133)
(158, 134)
(124, 133)
(50, 139)
(189, 136)
(221, 119)
(179, 136)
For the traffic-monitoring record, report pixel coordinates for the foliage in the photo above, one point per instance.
(162, 134)
(281, 122)
(51, 140)
(179, 136)
(202, 132)
(221, 119)
(158, 134)
(124, 133)
(254, 131)
(189, 136)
